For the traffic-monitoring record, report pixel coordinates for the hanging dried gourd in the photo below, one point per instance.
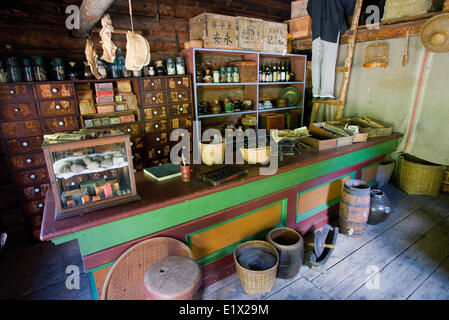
(376, 55)
(91, 57)
(106, 31)
(137, 48)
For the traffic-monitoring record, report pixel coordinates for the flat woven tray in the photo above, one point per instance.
(125, 278)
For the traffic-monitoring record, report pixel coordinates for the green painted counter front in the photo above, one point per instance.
(111, 234)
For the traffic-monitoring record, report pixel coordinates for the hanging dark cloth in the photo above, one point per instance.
(328, 17)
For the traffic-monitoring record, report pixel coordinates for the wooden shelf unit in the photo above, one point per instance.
(255, 91)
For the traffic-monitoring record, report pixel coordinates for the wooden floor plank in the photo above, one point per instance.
(300, 289)
(436, 286)
(348, 275)
(346, 245)
(407, 272)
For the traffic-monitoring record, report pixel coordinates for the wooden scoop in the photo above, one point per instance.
(324, 245)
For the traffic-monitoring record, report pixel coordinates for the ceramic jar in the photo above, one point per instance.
(380, 207)
(216, 107)
(212, 153)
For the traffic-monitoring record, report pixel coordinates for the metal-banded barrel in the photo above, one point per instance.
(354, 207)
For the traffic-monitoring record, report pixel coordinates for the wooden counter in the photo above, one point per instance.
(303, 194)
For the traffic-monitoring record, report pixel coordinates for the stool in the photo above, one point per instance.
(172, 278)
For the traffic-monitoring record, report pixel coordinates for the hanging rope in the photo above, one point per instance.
(131, 15)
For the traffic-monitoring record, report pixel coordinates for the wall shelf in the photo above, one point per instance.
(254, 91)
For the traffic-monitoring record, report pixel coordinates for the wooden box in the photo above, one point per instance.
(299, 9)
(108, 108)
(79, 161)
(247, 70)
(272, 121)
(250, 34)
(216, 30)
(395, 9)
(275, 37)
(319, 141)
(300, 27)
(357, 137)
(383, 130)
(341, 141)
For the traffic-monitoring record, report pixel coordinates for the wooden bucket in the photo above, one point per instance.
(354, 207)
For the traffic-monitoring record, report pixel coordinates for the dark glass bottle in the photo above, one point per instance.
(58, 69)
(269, 75)
(275, 73)
(13, 69)
(283, 78)
(28, 74)
(40, 71)
(72, 71)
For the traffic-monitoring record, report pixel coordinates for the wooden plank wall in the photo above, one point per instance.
(38, 26)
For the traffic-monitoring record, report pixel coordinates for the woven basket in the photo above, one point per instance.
(256, 282)
(419, 177)
(125, 278)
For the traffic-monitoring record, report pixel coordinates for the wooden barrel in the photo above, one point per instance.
(354, 207)
(290, 247)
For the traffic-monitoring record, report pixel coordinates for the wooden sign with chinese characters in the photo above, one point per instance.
(250, 34)
(216, 31)
(275, 37)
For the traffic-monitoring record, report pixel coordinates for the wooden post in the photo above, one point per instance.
(91, 12)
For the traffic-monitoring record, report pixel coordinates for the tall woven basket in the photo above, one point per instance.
(256, 282)
(419, 177)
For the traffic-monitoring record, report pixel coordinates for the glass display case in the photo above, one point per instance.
(89, 174)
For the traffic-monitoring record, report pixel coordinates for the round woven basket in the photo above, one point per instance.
(125, 279)
(419, 177)
(255, 281)
(384, 172)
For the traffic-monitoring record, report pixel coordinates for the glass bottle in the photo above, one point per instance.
(264, 74)
(275, 73)
(58, 68)
(283, 79)
(269, 76)
(287, 72)
(171, 67)
(160, 69)
(151, 71)
(87, 72)
(216, 75)
(40, 72)
(28, 73)
(229, 74)
(279, 72)
(102, 68)
(180, 66)
(72, 71)
(260, 74)
(222, 74)
(3, 73)
(236, 74)
(13, 69)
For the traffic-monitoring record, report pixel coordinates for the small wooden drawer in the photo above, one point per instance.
(19, 129)
(185, 122)
(181, 136)
(27, 161)
(24, 145)
(35, 207)
(158, 139)
(153, 98)
(158, 152)
(178, 83)
(137, 143)
(60, 124)
(155, 113)
(153, 126)
(20, 111)
(54, 90)
(181, 109)
(31, 177)
(132, 129)
(15, 92)
(57, 108)
(156, 84)
(179, 96)
(37, 191)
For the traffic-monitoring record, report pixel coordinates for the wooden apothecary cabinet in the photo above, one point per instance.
(90, 174)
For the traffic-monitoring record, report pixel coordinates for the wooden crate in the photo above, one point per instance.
(341, 141)
(247, 69)
(216, 30)
(395, 9)
(320, 142)
(275, 37)
(299, 9)
(373, 132)
(272, 121)
(300, 27)
(357, 137)
(250, 34)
